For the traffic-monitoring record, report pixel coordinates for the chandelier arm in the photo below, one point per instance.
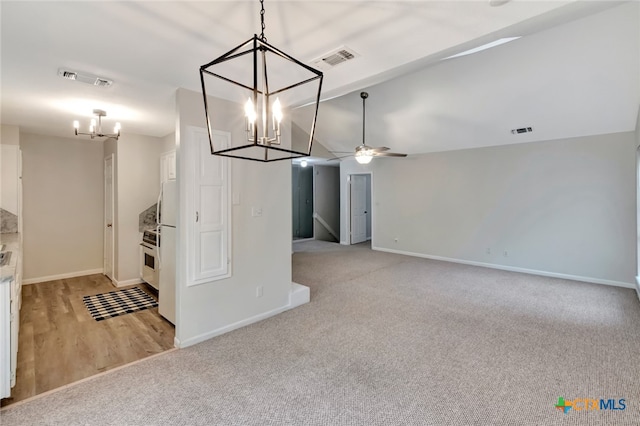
(265, 97)
(295, 85)
(233, 51)
(290, 58)
(229, 80)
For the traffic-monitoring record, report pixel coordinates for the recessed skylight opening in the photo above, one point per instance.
(483, 47)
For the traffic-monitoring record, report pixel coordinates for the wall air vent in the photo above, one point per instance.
(522, 130)
(334, 58)
(87, 78)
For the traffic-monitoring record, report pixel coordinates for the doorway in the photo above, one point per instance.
(360, 212)
(302, 202)
(108, 217)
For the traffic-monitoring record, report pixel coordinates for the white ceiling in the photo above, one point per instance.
(150, 48)
(576, 79)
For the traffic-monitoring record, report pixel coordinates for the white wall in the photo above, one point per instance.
(138, 186)
(261, 253)
(169, 142)
(62, 205)
(564, 207)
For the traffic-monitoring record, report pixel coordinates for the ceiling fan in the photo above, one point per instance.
(364, 153)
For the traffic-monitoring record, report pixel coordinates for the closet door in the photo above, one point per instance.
(209, 191)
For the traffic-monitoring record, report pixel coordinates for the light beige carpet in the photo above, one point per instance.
(387, 340)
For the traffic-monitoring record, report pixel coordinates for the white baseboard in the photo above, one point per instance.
(62, 276)
(126, 283)
(296, 298)
(299, 295)
(511, 268)
(301, 240)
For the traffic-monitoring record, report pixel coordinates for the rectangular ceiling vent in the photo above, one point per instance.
(334, 58)
(87, 78)
(522, 130)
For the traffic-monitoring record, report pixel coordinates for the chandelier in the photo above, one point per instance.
(95, 129)
(242, 75)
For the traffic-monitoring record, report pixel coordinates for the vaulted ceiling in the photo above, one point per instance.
(151, 48)
(576, 79)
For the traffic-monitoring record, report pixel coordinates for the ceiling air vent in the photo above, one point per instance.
(334, 58)
(87, 78)
(69, 75)
(522, 130)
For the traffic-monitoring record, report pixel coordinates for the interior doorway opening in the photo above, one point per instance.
(302, 202)
(360, 208)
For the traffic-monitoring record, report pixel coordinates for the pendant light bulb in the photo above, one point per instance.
(250, 112)
(277, 110)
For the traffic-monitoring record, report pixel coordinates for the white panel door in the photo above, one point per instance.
(108, 217)
(358, 195)
(210, 209)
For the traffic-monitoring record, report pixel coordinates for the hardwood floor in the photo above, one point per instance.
(60, 343)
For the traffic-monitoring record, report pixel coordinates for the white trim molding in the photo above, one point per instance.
(299, 295)
(511, 268)
(638, 287)
(62, 276)
(126, 283)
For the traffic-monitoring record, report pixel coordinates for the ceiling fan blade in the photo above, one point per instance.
(388, 154)
(338, 158)
(380, 149)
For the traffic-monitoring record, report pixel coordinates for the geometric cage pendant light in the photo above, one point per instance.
(261, 82)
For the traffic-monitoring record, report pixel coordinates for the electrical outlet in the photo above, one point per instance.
(259, 291)
(488, 250)
(256, 211)
(395, 239)
(506, 254)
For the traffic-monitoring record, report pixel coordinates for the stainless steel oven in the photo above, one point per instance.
(149, 262)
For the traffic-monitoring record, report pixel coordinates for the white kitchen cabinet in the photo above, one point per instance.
(10, 303)
(167, 166)
(209, 208)
(5, 339)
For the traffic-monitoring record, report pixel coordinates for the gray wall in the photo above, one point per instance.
(563, 207)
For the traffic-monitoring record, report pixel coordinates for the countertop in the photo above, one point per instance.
(13, 243)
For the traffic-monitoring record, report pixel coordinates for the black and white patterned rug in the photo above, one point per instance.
(109, 305)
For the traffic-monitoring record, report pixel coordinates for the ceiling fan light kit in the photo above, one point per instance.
(263, 109)
(364, 153)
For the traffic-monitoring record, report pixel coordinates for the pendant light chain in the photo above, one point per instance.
(262, 37)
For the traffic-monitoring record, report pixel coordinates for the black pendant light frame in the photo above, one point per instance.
(258, 46)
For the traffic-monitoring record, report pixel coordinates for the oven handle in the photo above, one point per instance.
(148, 246)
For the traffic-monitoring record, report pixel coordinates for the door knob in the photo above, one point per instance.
(109, 225)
